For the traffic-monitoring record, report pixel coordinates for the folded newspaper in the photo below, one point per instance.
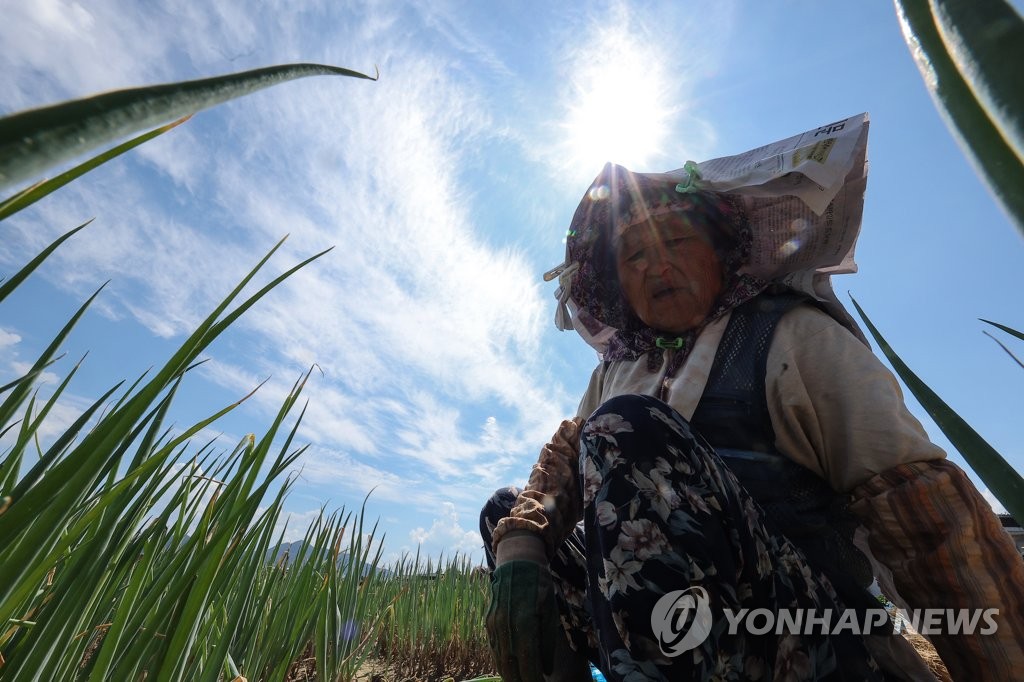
(804, 198)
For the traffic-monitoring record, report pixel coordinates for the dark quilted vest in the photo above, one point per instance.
(733, 416)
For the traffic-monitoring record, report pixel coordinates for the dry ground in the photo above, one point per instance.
(930, 656)
(375, 670)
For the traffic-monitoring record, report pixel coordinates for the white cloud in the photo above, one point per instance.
(352, 478)
(56, 48)
(8, 339)
(61, 417)
(23, 368)
(295, 525)
(448, 20)
(448, 533)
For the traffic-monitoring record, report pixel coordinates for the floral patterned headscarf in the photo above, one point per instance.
(617, 199)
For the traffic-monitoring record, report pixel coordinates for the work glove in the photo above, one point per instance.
(522, 621)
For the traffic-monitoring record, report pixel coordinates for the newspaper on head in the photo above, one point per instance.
(804, 199)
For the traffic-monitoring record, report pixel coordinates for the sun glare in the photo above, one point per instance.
(618, 111)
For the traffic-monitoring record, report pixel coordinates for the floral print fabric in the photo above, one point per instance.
(662, 512)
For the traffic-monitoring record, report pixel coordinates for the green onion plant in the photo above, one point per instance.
(967, 52)
(432, 622)
(127, 551)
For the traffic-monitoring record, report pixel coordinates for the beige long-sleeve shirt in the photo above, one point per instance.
(835, 408)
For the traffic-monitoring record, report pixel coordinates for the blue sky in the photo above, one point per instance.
(447, 187)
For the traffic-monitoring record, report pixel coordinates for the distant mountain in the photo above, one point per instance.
(292, 549)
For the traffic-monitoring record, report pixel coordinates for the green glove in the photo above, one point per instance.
(522, 621)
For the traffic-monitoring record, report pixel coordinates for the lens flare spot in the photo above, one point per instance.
(789, 248)
(798, 225)
(599, 192)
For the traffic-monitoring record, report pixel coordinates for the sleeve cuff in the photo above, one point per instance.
(518, 545)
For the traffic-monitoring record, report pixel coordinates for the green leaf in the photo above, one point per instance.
(54, 452)
(10, 465)
(1005, 349)
(32, 141)
(985, 39)
(29, 376)
(1001, 478)
(31, 195)
(1008, 330)
(10, 285)
(991, 155)
(10, 405)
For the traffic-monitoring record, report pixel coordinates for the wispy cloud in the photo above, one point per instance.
(428, 320)
(448, 19)
(353, 478)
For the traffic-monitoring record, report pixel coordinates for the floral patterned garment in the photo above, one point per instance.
(662, 512)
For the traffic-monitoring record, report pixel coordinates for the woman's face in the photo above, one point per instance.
(669, 273)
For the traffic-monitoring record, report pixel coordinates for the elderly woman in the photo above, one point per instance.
(733, 438)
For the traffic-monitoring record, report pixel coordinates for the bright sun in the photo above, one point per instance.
(618, 111)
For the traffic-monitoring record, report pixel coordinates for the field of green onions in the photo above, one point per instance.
(130, 550)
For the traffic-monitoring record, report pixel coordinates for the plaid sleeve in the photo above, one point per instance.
(550, 504)
(947, 550)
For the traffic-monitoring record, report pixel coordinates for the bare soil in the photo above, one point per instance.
(377, 670)
(930, 656)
